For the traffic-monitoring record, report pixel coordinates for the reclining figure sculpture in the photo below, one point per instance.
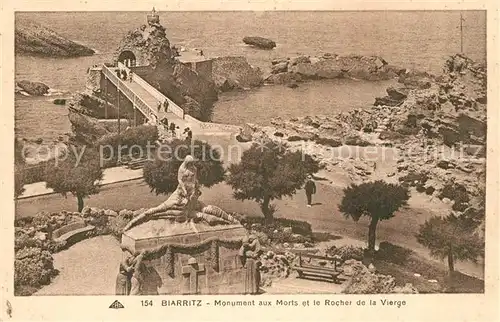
(183, 202)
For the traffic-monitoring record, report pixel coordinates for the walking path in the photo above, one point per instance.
(87, 268)
(323, 216)
(110, 175)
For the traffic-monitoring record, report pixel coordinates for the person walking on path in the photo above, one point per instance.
(310, 188)
(130, 76)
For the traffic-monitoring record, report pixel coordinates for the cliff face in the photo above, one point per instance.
(235, 73)
(330, 66)
(32, 38)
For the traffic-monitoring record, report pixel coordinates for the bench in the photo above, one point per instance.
(305, 269)
(72, 233)
(134, 165)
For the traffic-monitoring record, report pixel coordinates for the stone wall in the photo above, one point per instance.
(219, 272)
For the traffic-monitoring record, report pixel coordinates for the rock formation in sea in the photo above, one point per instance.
(235, 73)
(87, 114)
(32, 38)
(329, 66)
(259, 42)
(31, 88)
(435, 127)
(150, 48)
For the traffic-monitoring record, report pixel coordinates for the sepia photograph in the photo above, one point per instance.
(249, 153)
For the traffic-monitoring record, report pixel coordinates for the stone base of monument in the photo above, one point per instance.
(188, 258)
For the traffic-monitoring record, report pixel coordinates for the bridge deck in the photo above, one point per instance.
(152, 102)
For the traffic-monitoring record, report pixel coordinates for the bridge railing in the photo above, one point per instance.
(174, 108)
(145, 109)
(149, 111)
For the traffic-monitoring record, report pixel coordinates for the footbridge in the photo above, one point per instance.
(145, 99)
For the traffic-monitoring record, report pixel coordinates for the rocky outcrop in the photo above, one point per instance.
(259, 42)
(87, 103)
(150, 46)
(330, 66)
(436, 136)
(395, 96)
(86, 130)
(32, 88)
(366, 281)
(32, 38)
(235, 73)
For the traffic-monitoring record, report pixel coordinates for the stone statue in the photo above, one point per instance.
(249, 254)
(183, 202)
(137, 278)
(123, 279)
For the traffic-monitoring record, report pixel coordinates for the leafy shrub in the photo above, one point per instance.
(457, 193)
(23, 221)
(139, 136)
(25, 241)
(276, 231)
(33, 267)
(413, 179)
(298, 226)
(262, 237)
(346, 252)
(393, 253)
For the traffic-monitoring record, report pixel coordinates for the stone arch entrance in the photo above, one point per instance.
(127, 58)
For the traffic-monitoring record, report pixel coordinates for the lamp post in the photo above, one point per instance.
(118, 100)
(461, 34)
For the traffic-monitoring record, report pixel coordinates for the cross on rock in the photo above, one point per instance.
(193, 269)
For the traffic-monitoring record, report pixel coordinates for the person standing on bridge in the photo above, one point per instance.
(130, 76)
(159, 107)
(165, 105)
(189, 135)
(172, 128)
(310, 188)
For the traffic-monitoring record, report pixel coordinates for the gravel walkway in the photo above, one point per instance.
(86, 268)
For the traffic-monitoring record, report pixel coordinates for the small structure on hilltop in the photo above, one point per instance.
(186, 247)
(148, 46)
(145, 46)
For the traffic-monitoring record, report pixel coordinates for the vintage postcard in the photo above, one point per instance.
(293, 161)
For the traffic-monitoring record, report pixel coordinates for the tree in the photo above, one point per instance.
(19, 163)
(18, 153)
(451, 237)
(161, 173)
(18, 180)
(378, 200)
(80, 177)
(268, 171)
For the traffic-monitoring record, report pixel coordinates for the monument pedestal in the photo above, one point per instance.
(188, 258)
